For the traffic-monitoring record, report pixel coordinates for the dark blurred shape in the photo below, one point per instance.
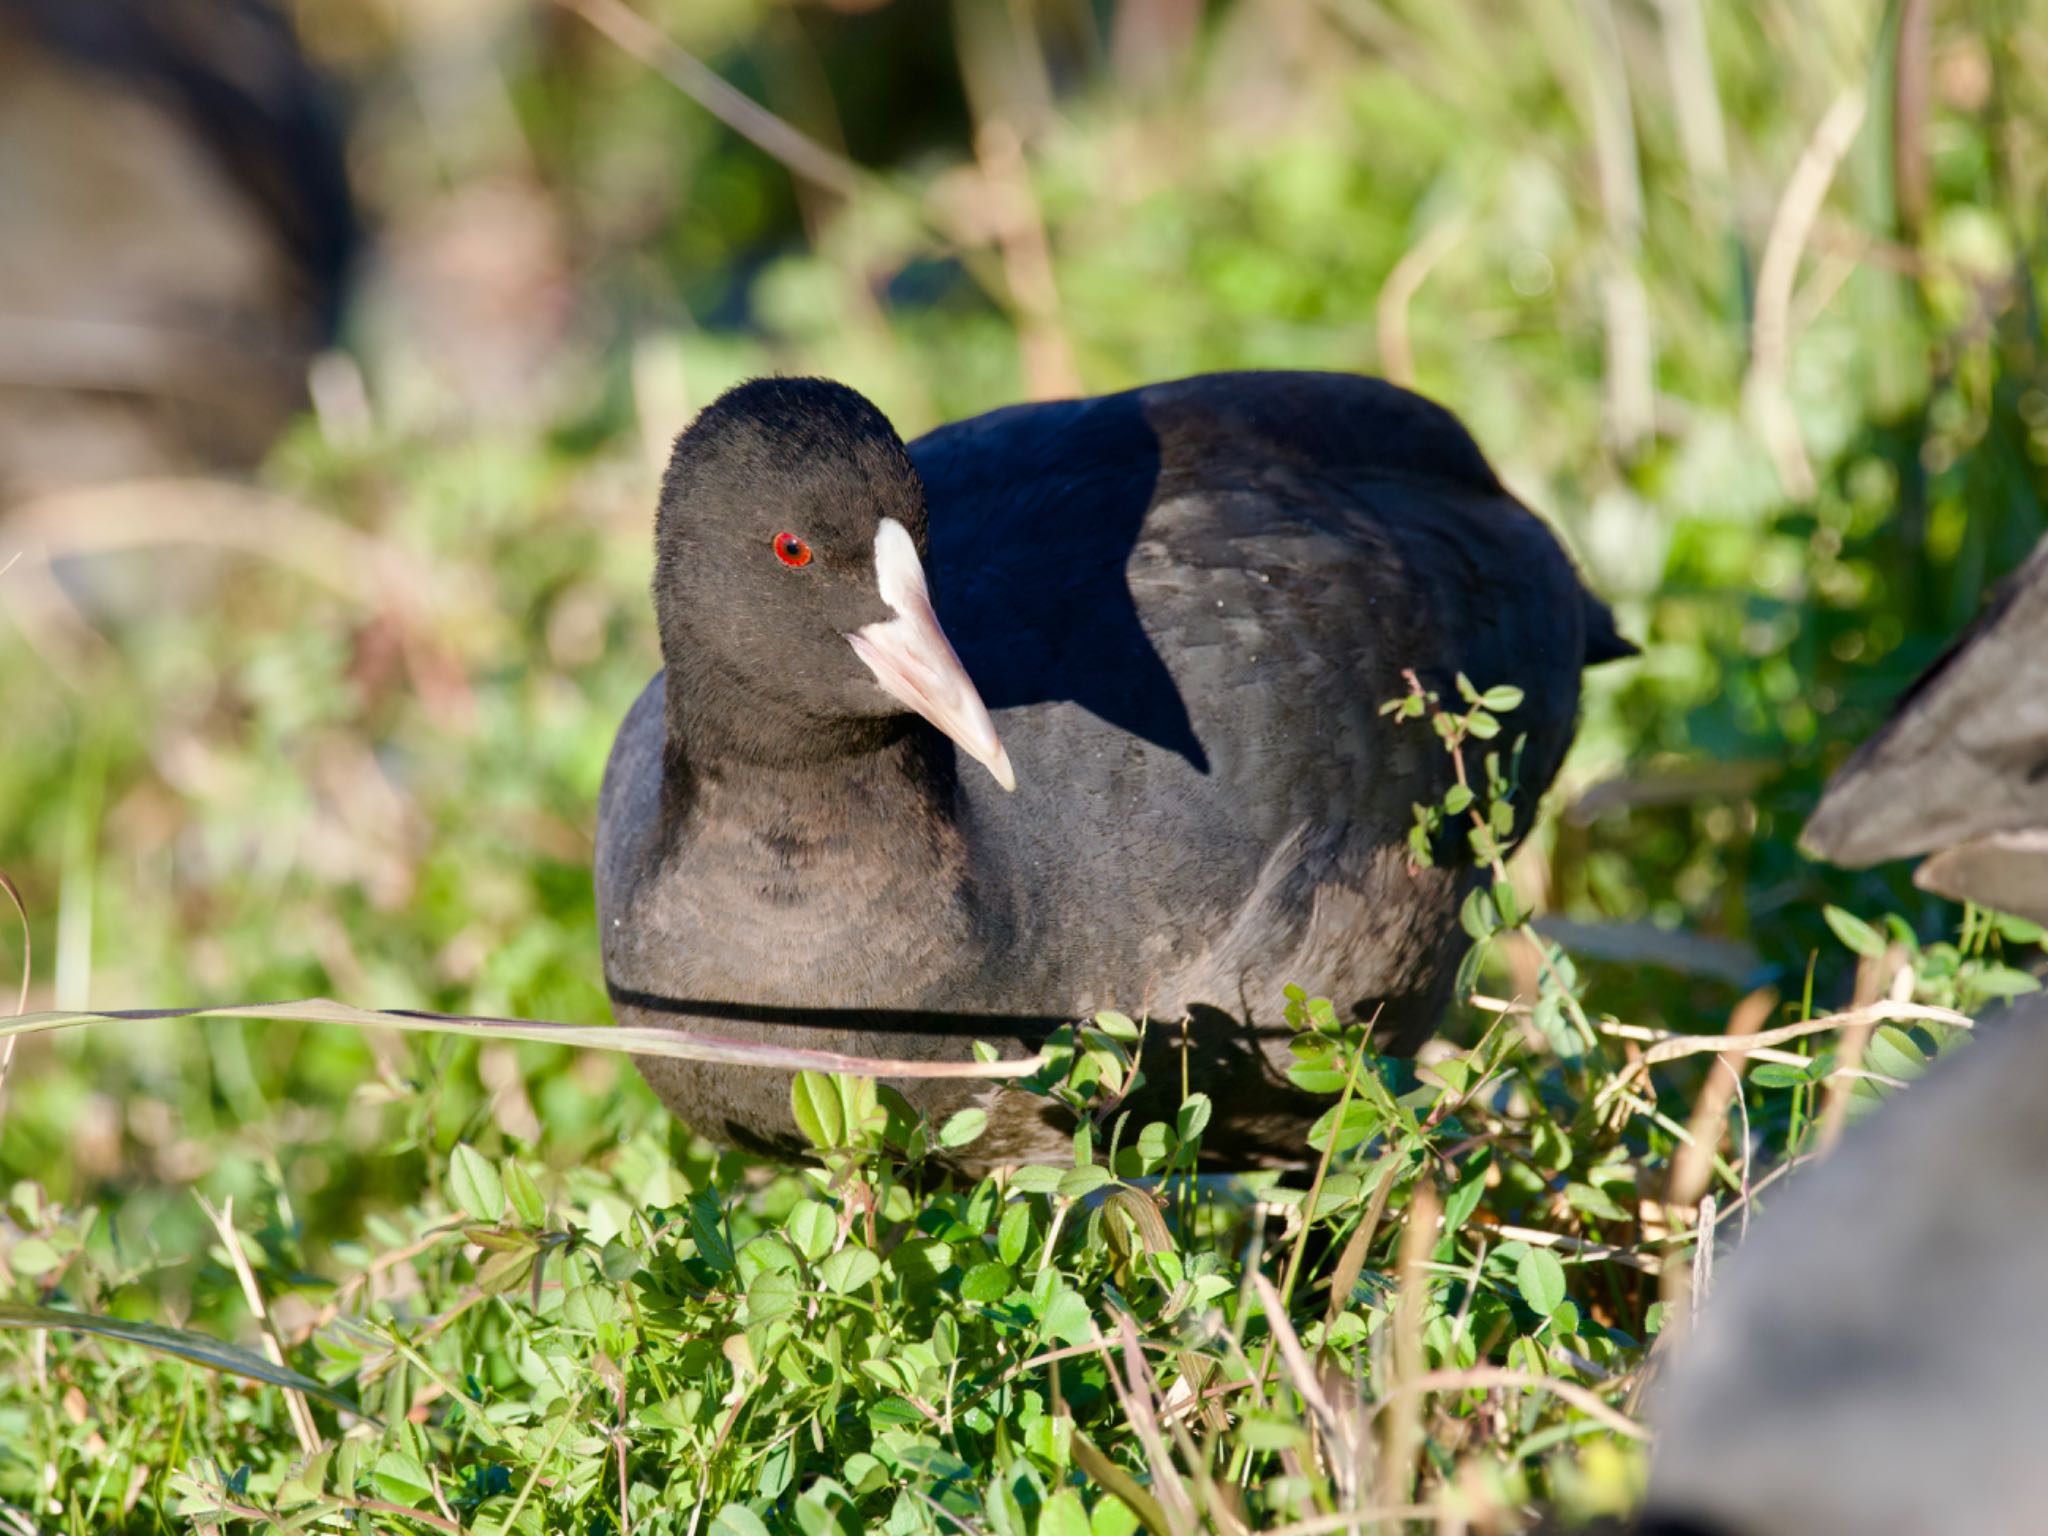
(179, 235)
(1961, 768)
(1873, 1361)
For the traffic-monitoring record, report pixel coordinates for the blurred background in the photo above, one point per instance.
(341, 343)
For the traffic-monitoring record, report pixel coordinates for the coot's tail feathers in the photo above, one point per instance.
(1603, 641)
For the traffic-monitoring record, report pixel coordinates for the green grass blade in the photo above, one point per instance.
(195, 1348)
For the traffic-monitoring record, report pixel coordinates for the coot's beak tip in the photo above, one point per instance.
(999, 765)
(914, 663)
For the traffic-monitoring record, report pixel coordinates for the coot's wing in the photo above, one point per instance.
(1186, 604)
(1042, 513)
(1965, 754)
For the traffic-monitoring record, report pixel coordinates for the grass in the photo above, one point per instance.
(1452, 1320)
(340, 735)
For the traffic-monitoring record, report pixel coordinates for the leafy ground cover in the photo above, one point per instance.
(1451, 1320)
(1743, 298)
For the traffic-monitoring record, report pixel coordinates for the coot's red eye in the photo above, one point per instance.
(791, 550)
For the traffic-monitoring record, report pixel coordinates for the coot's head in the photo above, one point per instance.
(789, 568)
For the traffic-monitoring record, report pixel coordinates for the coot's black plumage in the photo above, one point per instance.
(1183, 606)
(1961, 768)
(1872, 1357)
(1869, 1362)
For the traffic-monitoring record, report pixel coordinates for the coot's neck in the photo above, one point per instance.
(802, 771)
(721, 730)
(848, 860)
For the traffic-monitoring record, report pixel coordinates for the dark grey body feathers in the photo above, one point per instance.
(1183, 606)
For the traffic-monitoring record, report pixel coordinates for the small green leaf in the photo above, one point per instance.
(1989, 980)
(1482, 725)
(1594, 1202)
(1037, 1179)
(738, 1520)
(2017, 930)
(772, 1294)
(1778, 1074)
(1116, 1025)
(1311, 1079)
(1457, 800)
(1014, 1235)
(707, 1231)
(525, 1195)
(827, 1509)
(1464, 1198)
(963, 1128)
(1854, 932)
(1508, 903)
(475, 1185)
(986, 1283)
(777, 1468)
(1502, 699)
(849, 1269)
(1478, 915)
(1540, 1279)
(812, 1227)
(1068, 1319)
(1270, 1432)
(1064, 1515)
(1193, 1118)
(814, 1105)
(1360, 1121)
(401, 1479)
(1079, 1182)
(1113, 1517)
(1895, 1053)
(1155, 1144)
(860, 1108)
(1550, 1146)
(32, 1257)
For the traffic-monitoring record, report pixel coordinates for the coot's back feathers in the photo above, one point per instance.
(1961, 767)
(1868, 1361)
(1182, 606)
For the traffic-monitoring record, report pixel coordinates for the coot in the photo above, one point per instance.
(1168, 618)
(1872, 1360)
(179, 232)
(1961, 768)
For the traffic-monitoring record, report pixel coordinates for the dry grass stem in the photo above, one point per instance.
(1401, 1440)
(627, 1040)
(1397, 357)
(27, 970)
(803, 155)
(1481, 1378)
(296, 1405)
(1766, 393)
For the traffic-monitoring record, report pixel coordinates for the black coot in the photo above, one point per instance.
(175, 188)
(1168, 619)
(1872, 1360)
(1961, 768)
